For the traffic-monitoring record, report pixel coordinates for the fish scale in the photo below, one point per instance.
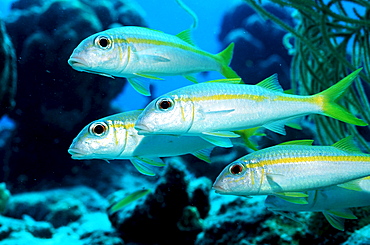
(291, 168)
(119, 140)
(137, 53)
(214, 109)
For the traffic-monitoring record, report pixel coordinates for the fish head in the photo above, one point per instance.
(238, 179)
(170, 114)
(101, 139)
(102, 53)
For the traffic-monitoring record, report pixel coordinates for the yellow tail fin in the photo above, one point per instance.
(330, 96)
(224, 58)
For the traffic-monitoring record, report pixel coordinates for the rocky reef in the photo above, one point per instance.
(181, 209)
(8, 72)
(259, 50)
(54, 101)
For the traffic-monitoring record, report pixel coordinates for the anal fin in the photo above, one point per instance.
(204, 154)
(218, 141)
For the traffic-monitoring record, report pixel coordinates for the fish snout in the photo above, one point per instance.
(76, 153)
(142, 129)
(218, 188)
(77, 63)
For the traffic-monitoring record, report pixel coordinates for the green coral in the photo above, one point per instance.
(329, 43)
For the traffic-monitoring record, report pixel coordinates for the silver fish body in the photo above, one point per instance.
(293, 168)
(114, 137)
(135, 52)
(216, 108)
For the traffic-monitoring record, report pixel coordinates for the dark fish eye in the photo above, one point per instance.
(103, 42)
(236, 169)
(165, 104)
(98, 129)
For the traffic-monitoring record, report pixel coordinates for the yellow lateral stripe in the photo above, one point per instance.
(309, 159)
(258, 98)
(119, 124)
(163, 43)
(294, 99)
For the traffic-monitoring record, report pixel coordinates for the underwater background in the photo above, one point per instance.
(48, 198)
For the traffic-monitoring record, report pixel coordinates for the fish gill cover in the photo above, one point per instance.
(321, 44)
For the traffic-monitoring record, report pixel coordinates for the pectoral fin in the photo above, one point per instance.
(140, 86)
(293, 197)
(273, 180)
(148, 76)
(141, 167)
(191, 78)
(227, 134)
(277, 127)
(152, 161)
(353, 185)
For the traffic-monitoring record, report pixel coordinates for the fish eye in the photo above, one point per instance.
(98, 128)
(103, 42)
(165, 104)
(236, 169)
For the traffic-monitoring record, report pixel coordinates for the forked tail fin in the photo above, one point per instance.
(224, 58)
(330, 96)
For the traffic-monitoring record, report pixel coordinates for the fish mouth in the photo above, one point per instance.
(142, 129)
(76, 154)
(218, 189)
(77, 63)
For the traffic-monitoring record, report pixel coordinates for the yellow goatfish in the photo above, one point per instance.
(334, 202)
(114, 137)
(288, 168)
(137, 52)
(214, 109)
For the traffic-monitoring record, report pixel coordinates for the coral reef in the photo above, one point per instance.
(59, 216)
(54, 101)
(359, 237)
(8, 72)
(167, 214)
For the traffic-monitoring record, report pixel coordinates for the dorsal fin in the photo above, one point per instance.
(347, 144)
(271, 83)
(297, 142)
(186, 36)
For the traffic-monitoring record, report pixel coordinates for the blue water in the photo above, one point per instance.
(172, 19)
